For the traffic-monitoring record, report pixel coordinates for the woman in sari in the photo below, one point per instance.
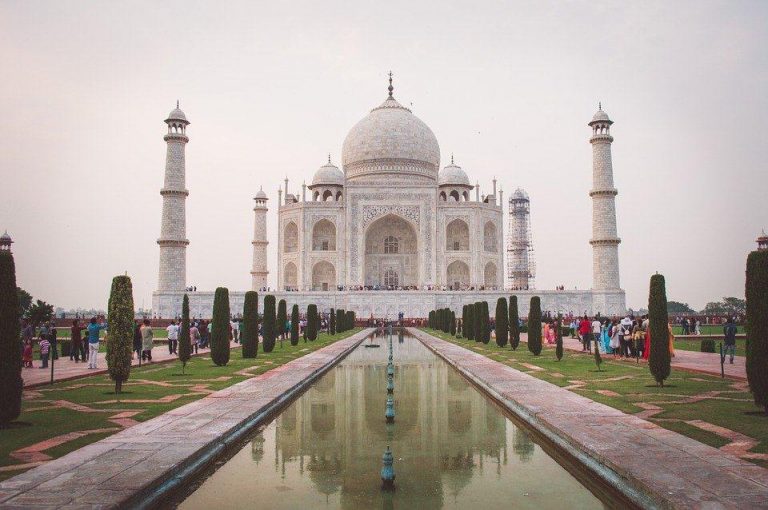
(671, 342)
(547, 332)
(605, 337)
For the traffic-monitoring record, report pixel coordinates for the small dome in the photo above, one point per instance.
(5, 237)
(453, 175)
(519, 194)
(177, 114)
(328, 175)
(261, 195)
(600, 116)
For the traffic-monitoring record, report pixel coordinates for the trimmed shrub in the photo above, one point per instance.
(282, 318)
(559, 342)
(486, 323)
(757, 319)
(120, 327)
(220, 327)
(658, 325)
(268, 328)
(185, 343)
(469, 327)
(340, 314)
(250, 336)
(534, 326)
(502, 329)
(514, 323)
(349, 318)
(312, 322)
(10, 348)
(295, 325)
(332, 322)
(446, 320)
(707, 345)
(453, 323)
(431, 320)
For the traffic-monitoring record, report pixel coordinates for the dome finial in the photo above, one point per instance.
(600, 105)
(329, 158)
(391, 88)
(451, 157)
(177, 103)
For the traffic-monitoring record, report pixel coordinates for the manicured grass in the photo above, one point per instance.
(40, 420)
(733, 408)
(710, 329)
(695, 345)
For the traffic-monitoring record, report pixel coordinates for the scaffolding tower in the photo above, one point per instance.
(521, 266)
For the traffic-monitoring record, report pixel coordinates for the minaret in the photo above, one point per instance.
(259, 272)
(173, 229)
(605, 241)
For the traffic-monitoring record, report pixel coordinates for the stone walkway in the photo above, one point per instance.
(136, 466)
(654, 466)
(64, 369)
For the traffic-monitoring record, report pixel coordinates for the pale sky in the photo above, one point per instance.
(271, 88)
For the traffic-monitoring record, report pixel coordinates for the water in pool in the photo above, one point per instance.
(452, 447)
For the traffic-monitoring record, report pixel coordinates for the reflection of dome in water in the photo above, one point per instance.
(257, 447)
(522, 445)
(323, 420)
(457, 471)
(325, 473)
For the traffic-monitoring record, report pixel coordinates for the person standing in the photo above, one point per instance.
(194, 336)
(584, 332)
(53, 338)
(137, 340)
(729, 331)
(94, 330)
(76, 346)
(203, 328)
(625, 336)
(147, 338)
(235, 330)
(45, 349)
(596, 328)
(173, 337)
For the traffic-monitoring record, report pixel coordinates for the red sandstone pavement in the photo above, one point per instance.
(64, 369)
(123, 470)
(671, 469)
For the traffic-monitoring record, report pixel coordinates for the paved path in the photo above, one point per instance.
(133, 467)
(702, 362)
(64, 369)
(654, 466)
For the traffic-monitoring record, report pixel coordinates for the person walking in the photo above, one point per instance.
(585, 330)
(729, 331)
(76, 345)
(596, 327)
(137, 340)
(235, 330)
(94, 329)
(194, 336)
(147, 338)
(173, 337)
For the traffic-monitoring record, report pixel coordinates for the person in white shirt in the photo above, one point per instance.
(235, 330)
(596, 330)
(173, 337)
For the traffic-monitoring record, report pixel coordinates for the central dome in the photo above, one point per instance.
(391, 143)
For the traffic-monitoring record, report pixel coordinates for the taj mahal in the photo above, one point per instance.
(389, 232)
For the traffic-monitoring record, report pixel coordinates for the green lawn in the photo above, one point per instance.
(734, 408)
(695, 345)
(40, 421)
(708, 330)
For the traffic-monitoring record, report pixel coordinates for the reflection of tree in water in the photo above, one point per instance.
(325, 473)
(457, 471)
(522, 445)
(257, 447)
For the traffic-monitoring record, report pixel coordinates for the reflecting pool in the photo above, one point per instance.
(452, 447)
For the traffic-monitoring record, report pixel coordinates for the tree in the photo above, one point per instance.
(534, 326)
(250, 335)
(674, 307)
(25, 301)
(11, 383)
(514, 323)
(185, 343)
(332, 322)
(658, 324)
(295, 325)
(349, 317)
(485, 330)
(477, 315)
(39, 312)
(312, 322)
(559, 341)
(757, 320)
(282, 318)
(469, 326)
(446, 320)
(220, 327)
(502, 328)
(120, 327)
(453, 323)
(268, 329)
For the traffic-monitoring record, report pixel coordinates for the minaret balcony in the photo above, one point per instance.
(609, 241)
(601, 138)
(168, 191)
(611, 192)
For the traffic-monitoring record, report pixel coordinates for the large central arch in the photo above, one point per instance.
(391, 252)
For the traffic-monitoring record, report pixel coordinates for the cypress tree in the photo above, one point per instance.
(282, 318)
(268, 329)
(332, 322)
(295, 325)
(469, 326)
(477, 315)
(312, 322)
(486, 327)
(757, 323)
(559, 341)
(446, 320)
(658, 321)
(514, 323)
(185, 343)
(534, 326)
(431, 319)
(220, 327)
(250, 336)
(438, 321)
(453, 323)
(350, 319)
(502, 328)
(120, 326)
(11, 383)
(340, 320)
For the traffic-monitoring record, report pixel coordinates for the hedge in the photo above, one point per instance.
(250, 336)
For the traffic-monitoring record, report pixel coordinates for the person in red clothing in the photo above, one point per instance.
(585, 332)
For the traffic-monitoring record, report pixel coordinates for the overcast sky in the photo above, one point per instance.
(272, 87)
